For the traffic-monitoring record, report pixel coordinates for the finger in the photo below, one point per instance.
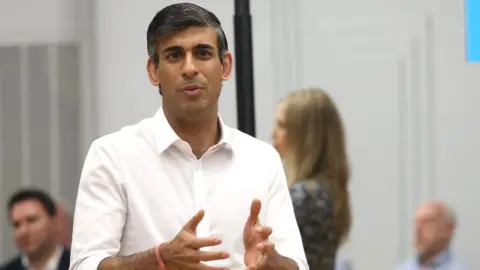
(254, 212)
(265, 247)
(204, 242)
(252, 267)
(205, 256)
(263, 231)
(194, 221)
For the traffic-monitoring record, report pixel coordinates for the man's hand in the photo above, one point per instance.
(255, 239)
(183, 252)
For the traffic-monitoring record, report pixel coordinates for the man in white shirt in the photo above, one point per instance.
(181, 190)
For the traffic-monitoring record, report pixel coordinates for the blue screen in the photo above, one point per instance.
(472, 30)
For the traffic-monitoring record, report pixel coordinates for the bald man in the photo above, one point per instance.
(434, 227)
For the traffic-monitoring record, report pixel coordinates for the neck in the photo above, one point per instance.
(428, 257)
(39, 260)
(200, 133)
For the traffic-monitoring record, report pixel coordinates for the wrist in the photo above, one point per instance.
(159, 255)
(275, 261)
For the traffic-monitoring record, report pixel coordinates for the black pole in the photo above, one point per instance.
(244, 67)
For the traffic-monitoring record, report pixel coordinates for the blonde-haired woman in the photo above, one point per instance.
(310, 138)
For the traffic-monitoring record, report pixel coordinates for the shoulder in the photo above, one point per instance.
(311, 201)
(460, 266)
(299, 191)
(127, 138)
(306, 190)
(13, 264)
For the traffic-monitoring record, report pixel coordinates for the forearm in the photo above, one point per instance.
(276, 261)
(141, 261)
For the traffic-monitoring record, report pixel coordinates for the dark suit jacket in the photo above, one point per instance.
(16, 263)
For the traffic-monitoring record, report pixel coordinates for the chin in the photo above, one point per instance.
(196, 107)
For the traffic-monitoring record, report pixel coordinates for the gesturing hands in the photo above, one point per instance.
(183, 252)
(255, 239)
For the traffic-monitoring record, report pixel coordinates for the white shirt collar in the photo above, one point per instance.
(52, 263)
(165, 136)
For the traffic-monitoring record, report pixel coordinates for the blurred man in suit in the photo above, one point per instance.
(435, 224)
(33, 217)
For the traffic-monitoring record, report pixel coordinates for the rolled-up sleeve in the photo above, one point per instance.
(281, 217)
(100, 209)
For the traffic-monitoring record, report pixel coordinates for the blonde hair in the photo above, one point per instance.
(317, 149)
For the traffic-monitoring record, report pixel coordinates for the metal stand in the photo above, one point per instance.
(244, 67)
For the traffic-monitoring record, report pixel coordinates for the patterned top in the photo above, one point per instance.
(313, 210)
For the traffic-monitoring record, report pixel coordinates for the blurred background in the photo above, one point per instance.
(73, 70)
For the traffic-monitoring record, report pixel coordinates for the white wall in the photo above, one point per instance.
(31, 22)
(398, 72)
(27, 21)
(39, 38)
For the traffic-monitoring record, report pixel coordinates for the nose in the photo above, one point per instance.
(22, 230)
(189, 68)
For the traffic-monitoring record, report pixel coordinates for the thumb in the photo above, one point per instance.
(194, 221)
(254, 212)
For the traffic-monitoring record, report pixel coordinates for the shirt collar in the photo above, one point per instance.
(52, 263)
(441, 259)
(165, 136)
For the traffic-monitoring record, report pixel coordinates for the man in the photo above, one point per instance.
(434, 228)
(33, 217)
(182, 190)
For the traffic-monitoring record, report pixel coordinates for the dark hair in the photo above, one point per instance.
(178, 17)
(33, 194)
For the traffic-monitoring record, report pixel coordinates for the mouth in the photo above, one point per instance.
(23, 244)
(192, 89)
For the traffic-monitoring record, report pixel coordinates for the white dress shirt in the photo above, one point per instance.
(140, 185)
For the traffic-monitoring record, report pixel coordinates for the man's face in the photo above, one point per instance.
(190, 72)
(33, 228)
(431, 230)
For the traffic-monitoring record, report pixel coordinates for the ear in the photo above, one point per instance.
(227, 66)
(152, 72)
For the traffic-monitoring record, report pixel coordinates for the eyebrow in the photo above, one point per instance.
(172, 49)
(204, 46)
(177, 48)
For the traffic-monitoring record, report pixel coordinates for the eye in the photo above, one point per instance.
(174, 56)
(204, 54)
(16, 224)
